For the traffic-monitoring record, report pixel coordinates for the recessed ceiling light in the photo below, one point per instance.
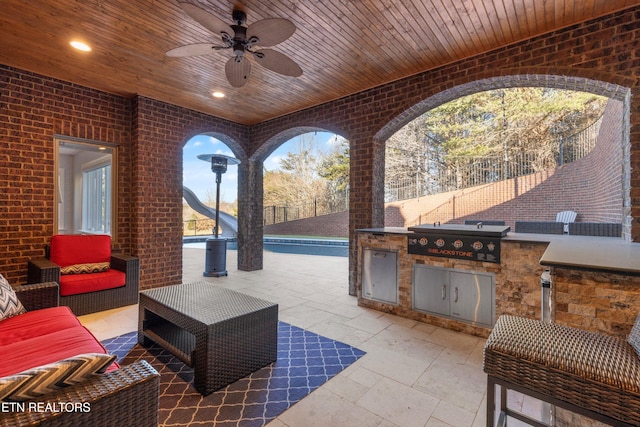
(218, 94)
(80, 46)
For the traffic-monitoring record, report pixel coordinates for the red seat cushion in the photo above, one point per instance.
(70, 249)
(41, 350)
(36, 323)
(73, 284)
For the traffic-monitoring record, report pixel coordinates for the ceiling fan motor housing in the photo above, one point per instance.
(240, 33)
(239, 39)
(239, 17)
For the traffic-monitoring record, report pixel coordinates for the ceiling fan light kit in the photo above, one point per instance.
(242, 39)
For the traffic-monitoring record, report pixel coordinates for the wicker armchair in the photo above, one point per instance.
(588, 373)
(129, 396)
(43, 270)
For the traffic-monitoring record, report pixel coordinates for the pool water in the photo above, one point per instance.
(289, 245)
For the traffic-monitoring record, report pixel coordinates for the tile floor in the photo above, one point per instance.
(413, 374)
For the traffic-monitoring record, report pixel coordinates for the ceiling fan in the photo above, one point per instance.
(242, 39)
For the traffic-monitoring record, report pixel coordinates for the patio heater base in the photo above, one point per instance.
(216, 258)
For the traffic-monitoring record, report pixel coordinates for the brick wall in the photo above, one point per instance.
(159, 132)
(596, 56)
(333, 225)
(592, 187)
(33, 109)
(149, 135)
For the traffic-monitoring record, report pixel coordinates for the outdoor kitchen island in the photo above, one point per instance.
(465, 289)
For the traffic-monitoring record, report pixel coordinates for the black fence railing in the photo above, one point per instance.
(198, 227)
(339, 202)
(464, 172)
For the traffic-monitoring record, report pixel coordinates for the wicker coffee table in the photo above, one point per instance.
(222, 334)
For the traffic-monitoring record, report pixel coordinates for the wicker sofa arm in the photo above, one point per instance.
(128, 396)
(40, 270)
(125, 263)
(38, 295)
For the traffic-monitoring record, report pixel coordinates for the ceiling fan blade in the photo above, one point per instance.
(206, 19)
(192, 50)
(271, 31)
(278, 62)
(237, 71)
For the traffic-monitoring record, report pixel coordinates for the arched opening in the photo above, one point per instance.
(312, 224)
(596, 186)
(306, 186)
(199, 190)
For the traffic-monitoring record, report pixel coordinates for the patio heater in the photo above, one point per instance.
(216, 253)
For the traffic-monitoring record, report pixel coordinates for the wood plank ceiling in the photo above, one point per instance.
(343, 46)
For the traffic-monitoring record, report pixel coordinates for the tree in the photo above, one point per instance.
(297, 180)
(310, 181)
(438, 147)
(334, 167)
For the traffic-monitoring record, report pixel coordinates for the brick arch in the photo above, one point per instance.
(577, 83)
(272, 143)
(250, 192)
(235, 147)
(567, 82)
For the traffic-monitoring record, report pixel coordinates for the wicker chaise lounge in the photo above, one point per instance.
(588, 373)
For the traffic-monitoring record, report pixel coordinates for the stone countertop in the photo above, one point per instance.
(580, 252)
(593, 253)
(385, 230)
(511, 236)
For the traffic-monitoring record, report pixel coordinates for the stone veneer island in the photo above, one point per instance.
(595, 281)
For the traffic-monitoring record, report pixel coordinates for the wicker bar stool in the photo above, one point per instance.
(588, 373)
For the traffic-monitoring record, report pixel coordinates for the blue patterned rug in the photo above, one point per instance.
(305, 362)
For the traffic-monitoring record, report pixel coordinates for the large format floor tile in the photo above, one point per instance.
(413, 374)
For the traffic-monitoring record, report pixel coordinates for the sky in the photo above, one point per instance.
(197, 175)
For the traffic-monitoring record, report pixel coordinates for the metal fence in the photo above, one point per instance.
(198, 227)
(339, 202)
(464, 172)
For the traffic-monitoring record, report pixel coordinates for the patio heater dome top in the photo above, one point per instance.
(208, 157)
(219, 162)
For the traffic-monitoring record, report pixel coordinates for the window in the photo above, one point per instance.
(96, 199)
(85, 188)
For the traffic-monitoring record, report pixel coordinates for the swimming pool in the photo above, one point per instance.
(290, 245)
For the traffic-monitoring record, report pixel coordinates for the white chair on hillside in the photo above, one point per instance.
(566, 217)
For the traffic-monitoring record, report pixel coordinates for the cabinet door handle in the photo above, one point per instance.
(455, 294)
(444, 291)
